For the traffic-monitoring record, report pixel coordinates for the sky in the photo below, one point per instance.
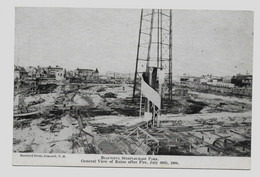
(204, 42)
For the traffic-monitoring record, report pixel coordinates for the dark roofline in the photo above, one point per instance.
(56, 67)
(85, 69)
(19, 68)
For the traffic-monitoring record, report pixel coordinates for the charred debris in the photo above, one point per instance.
(68, 117)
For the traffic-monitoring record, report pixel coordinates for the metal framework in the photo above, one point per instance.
(141, 137)
(154, 48)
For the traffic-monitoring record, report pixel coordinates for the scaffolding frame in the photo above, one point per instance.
(154, 47)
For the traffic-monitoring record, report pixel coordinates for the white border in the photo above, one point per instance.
(102, 160)
(7, 54)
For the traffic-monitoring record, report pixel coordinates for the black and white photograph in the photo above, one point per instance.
(133, 82)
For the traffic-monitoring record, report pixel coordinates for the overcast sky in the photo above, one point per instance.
(204, 42)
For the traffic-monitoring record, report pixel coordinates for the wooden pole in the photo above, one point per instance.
(140, 113)
(137, 55)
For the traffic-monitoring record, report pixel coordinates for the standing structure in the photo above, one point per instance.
(154, 59)
(154, 48)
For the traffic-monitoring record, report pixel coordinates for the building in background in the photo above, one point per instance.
(55, 72)
(32, 71)
(242, 80)
(19, 73)
(87, 75)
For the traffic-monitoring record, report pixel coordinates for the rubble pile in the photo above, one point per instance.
(103, 118)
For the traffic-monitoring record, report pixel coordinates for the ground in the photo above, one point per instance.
(91, 119)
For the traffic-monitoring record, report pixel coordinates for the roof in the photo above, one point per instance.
(248, 76)
(54, 67)
(84, 69)
(19, 68)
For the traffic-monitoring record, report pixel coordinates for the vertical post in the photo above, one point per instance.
(148, 58)
(158, 116)
(150, 42)
(153, 107)
(140, 113)
(159, 61)
(137, 55)
(158, 39)
(161, 54)
(150, 76)
(170, 57)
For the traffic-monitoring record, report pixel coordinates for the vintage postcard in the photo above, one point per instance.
(152, 88)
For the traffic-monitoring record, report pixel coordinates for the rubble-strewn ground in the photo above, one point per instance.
(94, 119)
